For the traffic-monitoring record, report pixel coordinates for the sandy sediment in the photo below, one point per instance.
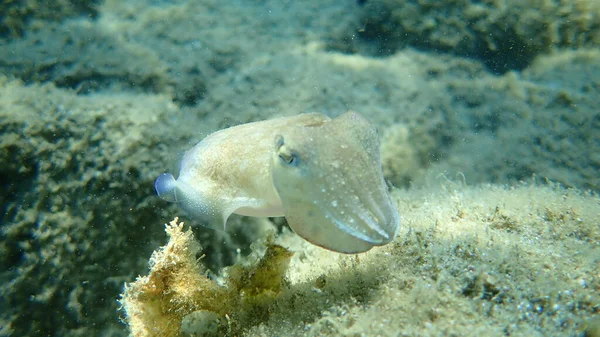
(485, 260)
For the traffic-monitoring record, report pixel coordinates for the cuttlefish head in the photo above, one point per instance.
(329, 179)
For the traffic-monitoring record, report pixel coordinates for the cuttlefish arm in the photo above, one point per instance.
(331, 185)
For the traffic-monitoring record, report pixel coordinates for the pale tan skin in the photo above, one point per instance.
(324, 175)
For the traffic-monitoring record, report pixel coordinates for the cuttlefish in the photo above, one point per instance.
(324, 175)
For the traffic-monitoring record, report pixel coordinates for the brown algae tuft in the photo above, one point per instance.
(178, 297)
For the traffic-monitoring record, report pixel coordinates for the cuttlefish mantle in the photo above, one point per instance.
(324, 175)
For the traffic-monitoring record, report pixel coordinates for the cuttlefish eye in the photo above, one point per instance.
(288, 159)
(286, 156)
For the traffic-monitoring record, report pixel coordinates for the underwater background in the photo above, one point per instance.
(489, 121)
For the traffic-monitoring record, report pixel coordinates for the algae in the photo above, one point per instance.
(16, 16)
(93, 108)
(177, 286)
(470, 261)
(504, 35)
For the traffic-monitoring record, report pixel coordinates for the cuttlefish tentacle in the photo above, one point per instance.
(324, 175)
